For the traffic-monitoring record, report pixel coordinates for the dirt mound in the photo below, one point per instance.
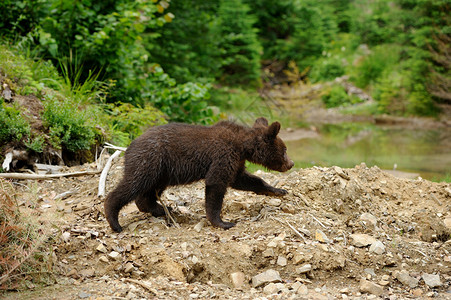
(350, 233)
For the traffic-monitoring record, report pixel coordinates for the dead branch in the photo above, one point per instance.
(102, 180)
(45, 176)
(145, 285)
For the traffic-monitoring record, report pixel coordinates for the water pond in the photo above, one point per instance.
(426, 152)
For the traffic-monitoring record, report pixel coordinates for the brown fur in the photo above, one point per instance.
(176, 154)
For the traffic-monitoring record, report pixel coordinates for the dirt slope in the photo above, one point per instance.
(312, 238)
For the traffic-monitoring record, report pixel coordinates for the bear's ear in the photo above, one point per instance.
(273, 130)
(261, 122)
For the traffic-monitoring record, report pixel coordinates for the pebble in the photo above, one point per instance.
(128, 268)
(281, 261)
(83, 295)
(274, 202)
(447, 222)
(66, 236)
(103, 258)
(404, 277)
(238, 279)
(369, 219)
(114, 255)
(304, 269)
(377, 247)
(273, 288)
(371, 288)
(362, 240)
(432, 280)
(266, 277)
(199, 225)
(321, 237)
(101, 248)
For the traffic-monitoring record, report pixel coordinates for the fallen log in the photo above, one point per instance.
(46, 176)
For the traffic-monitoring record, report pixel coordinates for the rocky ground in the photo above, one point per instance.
(355, 233)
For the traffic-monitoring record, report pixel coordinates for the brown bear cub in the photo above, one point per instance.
(175, 154)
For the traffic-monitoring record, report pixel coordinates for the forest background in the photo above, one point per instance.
(106, 70)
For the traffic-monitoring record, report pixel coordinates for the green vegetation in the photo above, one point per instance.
(107, 70)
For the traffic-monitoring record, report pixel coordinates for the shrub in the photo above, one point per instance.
(337, 96)
(70, 126)
(327, 69)
(13, 125)
(128, 122)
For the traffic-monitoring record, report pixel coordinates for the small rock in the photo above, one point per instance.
(83, 295)
(266, 277)
(377, 247)
(302, 290)
(274, 202)
(199, 225)
(87, 272)
(66, 236)
(321, 237)
(103, 258)
(238, 279)
(143, 241)
(101, 248)
(128, 268)
(268, 252)
(304, 269)
(369, 219)
(370, 272)
(404, 277)
(341, 173)
(371, 288)
(362, 240)
(184, 246)
(288, 208)
(273, 288)
(432, 280)
(417, 292)
(447, 222)
(114, 255)
(281, 261)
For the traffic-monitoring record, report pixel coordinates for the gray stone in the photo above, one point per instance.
(432, 280)
(114, 255)
(128, 268)
(406, 279)
(266, 277)
(370, 287)
(304, 269)
(281, 261)
(369, 219)
(377, 247)
(83, 295)
(101, 248)
(302, 290)
(238, 279)
(273, 288)
(362, 240)
(321, 237)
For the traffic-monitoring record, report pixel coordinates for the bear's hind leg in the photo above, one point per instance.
(148, 203)
(115, 201)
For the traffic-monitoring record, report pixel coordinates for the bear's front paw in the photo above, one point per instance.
(277, 192)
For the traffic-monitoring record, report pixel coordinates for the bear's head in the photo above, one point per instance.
(266, 148)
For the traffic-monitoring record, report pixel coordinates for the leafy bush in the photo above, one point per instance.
(327, 69)
(127, 122)
(337, 96)
(13, 125)
(186, 103)
(70, 127)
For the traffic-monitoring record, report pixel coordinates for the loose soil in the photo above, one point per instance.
(313, 225)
